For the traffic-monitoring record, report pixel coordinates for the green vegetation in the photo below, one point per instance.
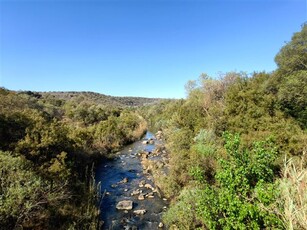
(227, 143)
(237, 150)
(47, 151)
(99, 99)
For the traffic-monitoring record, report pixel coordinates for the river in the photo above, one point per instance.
(121, 177)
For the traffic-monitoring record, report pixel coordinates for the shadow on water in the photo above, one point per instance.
(111, 173)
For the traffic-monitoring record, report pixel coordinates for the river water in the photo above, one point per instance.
(119, 178)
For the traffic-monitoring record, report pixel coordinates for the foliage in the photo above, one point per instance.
(182, 212)
(98, 99)
(26, 198)
(216, 181)
(292, 96)
(253, 111)
(52, 141)
(291, 76)
(236, 185)
(244, 185)
(292, 57)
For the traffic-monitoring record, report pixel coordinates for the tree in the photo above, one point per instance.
(292, 77)
(293, 56)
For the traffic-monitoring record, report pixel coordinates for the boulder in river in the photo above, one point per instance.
(136, 192)
(151, 142)
(139, 212)
(150, 195)
(149, 186)
(141, 197)
(145, 155)
(123, 181)
(124, 205)
(145, 142)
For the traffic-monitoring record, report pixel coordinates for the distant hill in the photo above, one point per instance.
(98, 98)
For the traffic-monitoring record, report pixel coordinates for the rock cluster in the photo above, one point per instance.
(150, 141)
(155, 161)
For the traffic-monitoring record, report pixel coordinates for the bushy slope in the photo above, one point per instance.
(48, 149)
(100, 99)
(228, 142)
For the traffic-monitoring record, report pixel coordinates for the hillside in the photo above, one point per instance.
(53, 141)
(101, 99)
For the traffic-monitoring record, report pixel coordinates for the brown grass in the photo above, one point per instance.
(293, 186)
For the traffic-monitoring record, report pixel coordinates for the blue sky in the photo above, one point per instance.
(145, 48)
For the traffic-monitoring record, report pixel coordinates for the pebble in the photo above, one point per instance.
(141, 197)
(160, 225)
(123, 181)
(142, 183)
(149, 186)
(136, 192)
(139, 212)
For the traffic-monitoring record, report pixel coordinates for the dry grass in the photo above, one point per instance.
(293, 187)
(140, 130)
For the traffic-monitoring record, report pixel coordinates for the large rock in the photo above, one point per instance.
(136, 192)
(139, 212)
(141, 197)
(149, 186)
(124, 205)
(151, 142)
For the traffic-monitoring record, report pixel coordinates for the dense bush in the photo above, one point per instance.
(45, 181)
(27, 200)
(240, 197)
(235, 183)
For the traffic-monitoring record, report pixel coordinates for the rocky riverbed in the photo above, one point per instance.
(132, 200)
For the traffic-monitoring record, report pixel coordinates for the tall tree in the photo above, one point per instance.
(292, 76)
(293, 56)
